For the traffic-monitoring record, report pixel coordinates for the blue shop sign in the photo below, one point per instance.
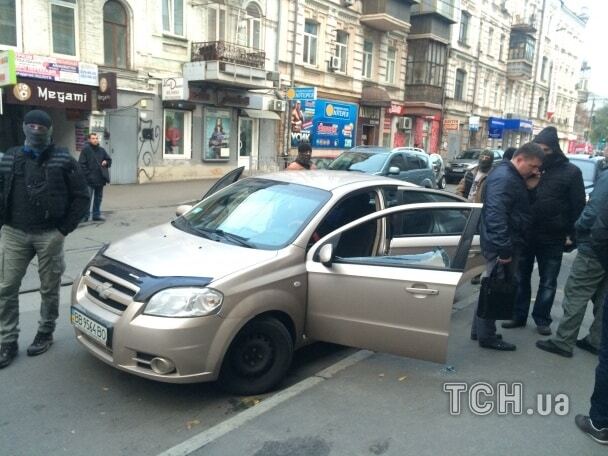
(496, 126)
(522, 125)
(302, 93)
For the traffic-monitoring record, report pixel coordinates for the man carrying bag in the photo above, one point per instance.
(505, 219)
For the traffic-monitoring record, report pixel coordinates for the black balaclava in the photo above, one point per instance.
(304, 154)
(486, 158)
(548, 137)
(37, 137)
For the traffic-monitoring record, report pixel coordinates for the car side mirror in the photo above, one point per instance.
(394, 170)
(326, 255)
(181, 210)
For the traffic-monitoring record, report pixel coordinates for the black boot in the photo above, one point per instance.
(8, 352)
(42, 342)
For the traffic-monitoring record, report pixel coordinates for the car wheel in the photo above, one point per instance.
(442, 183)
(258, 358)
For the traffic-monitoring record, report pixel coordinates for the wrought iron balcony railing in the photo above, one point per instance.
(224, 51)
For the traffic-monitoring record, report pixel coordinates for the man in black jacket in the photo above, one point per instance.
(43, 196)
(557, 202)
(95, 162)
(505, 221)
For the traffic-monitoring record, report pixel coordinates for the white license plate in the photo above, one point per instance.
(90, 327)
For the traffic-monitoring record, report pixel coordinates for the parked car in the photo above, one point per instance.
(233, 285)
(407, 165)
(456, 168)
(590, 167)
(322, 162)
(439, 170)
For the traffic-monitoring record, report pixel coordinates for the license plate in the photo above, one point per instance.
(90, 327)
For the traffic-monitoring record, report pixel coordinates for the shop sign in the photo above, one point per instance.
(202, 95)
(50, 94)
(8, 73)
(474, 123)
(175, 89)
(324, 123)
(55, 69)
(302, 93)
(107, 94)
(451, 124)
(226, 98)
(396, 109)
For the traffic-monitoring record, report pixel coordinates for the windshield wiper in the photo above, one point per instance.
(214, 234)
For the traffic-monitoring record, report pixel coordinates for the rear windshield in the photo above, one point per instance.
(470, 154)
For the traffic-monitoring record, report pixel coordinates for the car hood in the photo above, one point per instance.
(166, 251)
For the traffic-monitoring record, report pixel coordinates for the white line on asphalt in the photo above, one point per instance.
(204, 438)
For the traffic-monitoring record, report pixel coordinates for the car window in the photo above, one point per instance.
(359, 161)
(470, 154)
(415, 196)
(431, 223)
(497, 155)
(398, 161)
(413, 162)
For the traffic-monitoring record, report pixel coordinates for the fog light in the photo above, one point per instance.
(162, 366)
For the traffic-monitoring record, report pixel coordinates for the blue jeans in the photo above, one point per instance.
(599, 398)
(549, 258)
(96, 195)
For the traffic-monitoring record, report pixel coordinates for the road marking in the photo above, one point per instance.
(204, 438)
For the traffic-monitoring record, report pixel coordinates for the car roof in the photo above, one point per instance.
(331, 180)
(370, 149)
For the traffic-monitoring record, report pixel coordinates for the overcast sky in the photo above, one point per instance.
(596, 40)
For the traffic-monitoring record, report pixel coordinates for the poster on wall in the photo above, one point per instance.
(216, 142)
(323, 123)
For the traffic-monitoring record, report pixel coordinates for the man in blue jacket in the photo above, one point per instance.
(505, 221)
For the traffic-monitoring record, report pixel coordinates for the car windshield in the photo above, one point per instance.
(364, 162)
(256, 213)
(470, 154)
(587, 167)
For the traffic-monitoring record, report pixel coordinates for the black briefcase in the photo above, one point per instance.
(497, 294)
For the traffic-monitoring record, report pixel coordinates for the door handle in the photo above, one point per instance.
(423, 291)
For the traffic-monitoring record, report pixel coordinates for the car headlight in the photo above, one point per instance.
(184, 302)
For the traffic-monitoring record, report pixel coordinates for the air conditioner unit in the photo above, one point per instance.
(278, 105)
(404, 123)
(334, 63)
(348, 3)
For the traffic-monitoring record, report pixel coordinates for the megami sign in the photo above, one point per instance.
(50, 94)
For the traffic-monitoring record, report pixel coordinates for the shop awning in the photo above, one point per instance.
(258, 114)
(375, 96)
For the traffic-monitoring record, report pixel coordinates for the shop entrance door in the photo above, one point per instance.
(248, 143)
(122, 146)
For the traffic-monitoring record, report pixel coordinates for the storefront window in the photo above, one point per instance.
(216, 142)
(8, 22)
(63, 14)
(177, 134)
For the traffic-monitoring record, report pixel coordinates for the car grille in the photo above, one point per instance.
(109, 290)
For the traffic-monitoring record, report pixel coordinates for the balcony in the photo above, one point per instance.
(519, 70)
(524, 25)
(424, 93)
(445, 9)
(387, 15)
(227, 63)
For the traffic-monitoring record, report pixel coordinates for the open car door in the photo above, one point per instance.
(381, 299)
(225, 181)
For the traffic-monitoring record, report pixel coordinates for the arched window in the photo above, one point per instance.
(249, 30)
(115, 35)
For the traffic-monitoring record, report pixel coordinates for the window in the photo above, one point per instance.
(426, 62)
(216, 23)
(543, 72)
(501, 50)
(8, 22)
(342, 49)
(459, 85)
(521, 47)
(391, 59)
(540, 111)
(115, 36)
(63, 13)
(490, 39)
(173, 17)
(177, 134)
(250, 28)
(218, 128)
(368, 58)
(311, 32)
(463, 35)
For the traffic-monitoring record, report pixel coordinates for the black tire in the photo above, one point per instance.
(442, 183)
(258, 358)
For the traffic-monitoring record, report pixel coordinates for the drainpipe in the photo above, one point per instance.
(476, 80)
(296, 13)
(540, 38)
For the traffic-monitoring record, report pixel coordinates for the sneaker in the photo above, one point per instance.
(584, 344)
(497, 344)
(584, 423)
(549, 346)
(543, 330)
(8, 352)
(99, 219)
(42, 342)
(514, 324)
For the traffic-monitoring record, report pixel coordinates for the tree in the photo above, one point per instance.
(599, 124)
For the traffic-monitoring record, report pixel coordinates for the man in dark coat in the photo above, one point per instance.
(505, 221)
(595, 425)
(43, 196)
(95, 162)
(557, 202)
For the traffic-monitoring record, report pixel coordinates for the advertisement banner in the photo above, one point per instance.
(56, 69)
(302, 93)
(325, 124)
(50, 94)
(107, 95)
(217, 134)
(8, 73)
